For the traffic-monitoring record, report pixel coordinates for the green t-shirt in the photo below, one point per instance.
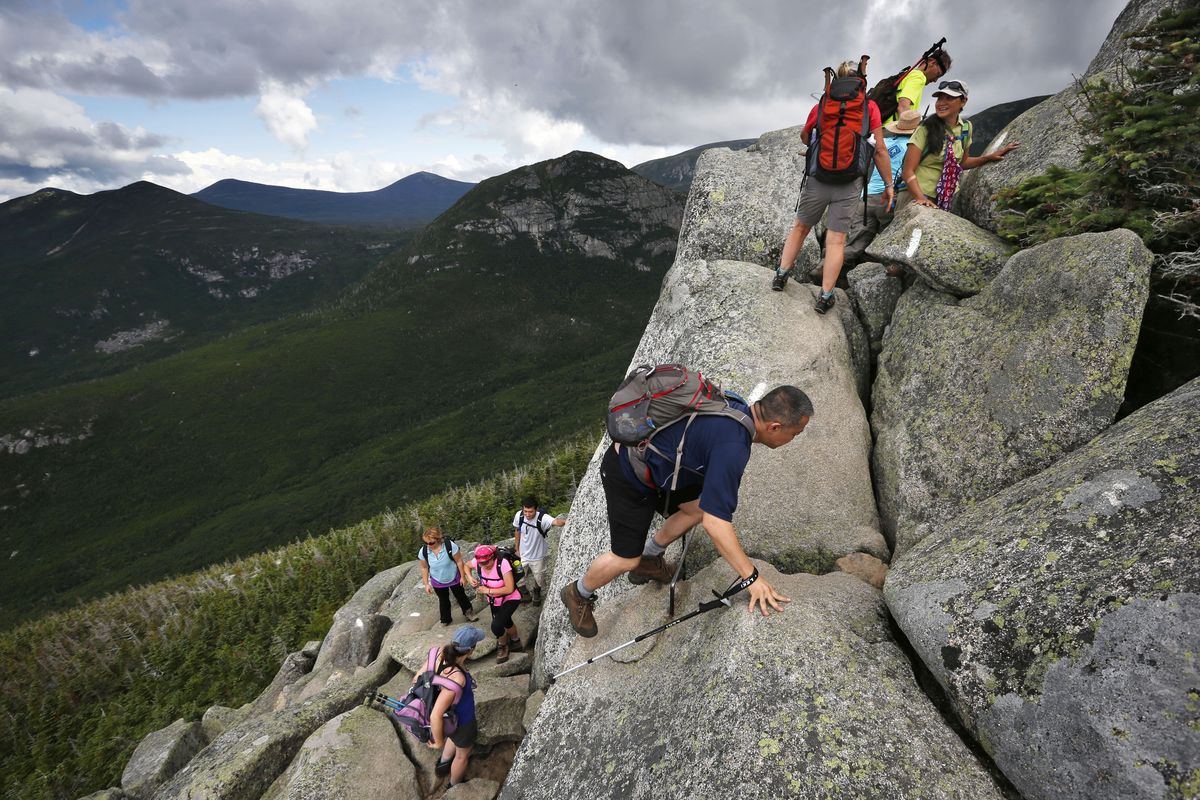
(911, 88)
(930, 168)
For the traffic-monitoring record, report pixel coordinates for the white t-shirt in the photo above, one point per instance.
(533, 543)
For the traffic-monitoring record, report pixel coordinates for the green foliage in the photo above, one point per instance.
(77, 269)
(79, 689)
(432, 374)
(1141, 164)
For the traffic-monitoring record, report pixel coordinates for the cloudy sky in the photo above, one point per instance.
(351, 95)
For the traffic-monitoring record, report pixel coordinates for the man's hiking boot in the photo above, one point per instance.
(525, 595)
(579, 610)
(652, 568)
(780, 280)
(824, 303)
(502, 650)
(537, 596)
(515, 645)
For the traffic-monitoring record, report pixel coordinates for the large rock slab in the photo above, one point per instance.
(354, 756)
(973, 396)
(500, 704)
(159, 756)
(1053, 131)
(247, 758)
(358, 628)
(815, 702)
(802, 506)
(1063, 614)
(950, 253)
(873, 296)
(476, 789)
(742, 203)
(411, 610)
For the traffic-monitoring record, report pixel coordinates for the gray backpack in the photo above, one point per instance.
(652, 398)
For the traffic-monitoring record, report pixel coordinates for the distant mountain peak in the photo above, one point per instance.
(410, 202)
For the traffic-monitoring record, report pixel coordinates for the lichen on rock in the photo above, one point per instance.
(974, 395)
(1063, 613)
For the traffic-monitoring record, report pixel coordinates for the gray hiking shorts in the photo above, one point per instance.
(840, 198)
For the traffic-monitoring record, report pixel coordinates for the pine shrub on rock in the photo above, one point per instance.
(1141, 165)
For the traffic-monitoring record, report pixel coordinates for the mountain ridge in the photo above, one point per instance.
(410, 202)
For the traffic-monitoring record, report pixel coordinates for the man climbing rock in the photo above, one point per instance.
(716, 449)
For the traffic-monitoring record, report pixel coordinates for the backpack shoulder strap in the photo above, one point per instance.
(423, 554)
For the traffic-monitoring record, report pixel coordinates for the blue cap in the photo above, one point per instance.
(467, 637)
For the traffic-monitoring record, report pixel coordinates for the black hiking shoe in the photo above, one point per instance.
(442, 767)
(651, 568)
(780, 280)
(824, 303)
(579, 611)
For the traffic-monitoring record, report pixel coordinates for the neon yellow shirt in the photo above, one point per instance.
(930, 168)
(911, 88)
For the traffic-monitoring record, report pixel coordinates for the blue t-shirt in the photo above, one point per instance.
(464, 710)
(715, 454)
(896, 144)
(441, 564)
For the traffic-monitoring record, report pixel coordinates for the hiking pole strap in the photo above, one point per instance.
(739, 584)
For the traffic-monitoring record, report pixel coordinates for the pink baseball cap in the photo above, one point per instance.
(485, 552)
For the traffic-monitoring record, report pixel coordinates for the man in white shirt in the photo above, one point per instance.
(530, 527)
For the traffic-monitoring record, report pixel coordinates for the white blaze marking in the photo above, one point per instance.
(913, 243)
(358, 623)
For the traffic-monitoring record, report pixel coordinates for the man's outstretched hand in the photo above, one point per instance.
(763, 593)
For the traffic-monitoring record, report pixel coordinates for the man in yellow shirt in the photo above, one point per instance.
(908, 93)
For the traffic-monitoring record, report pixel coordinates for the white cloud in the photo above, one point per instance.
(49, 140)
(286, 115)
(536, 78)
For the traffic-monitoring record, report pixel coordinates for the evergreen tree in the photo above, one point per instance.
(1141, 164)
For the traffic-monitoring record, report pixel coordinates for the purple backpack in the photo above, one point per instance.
(413, 711)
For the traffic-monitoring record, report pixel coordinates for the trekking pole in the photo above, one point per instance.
(385, 701)
(679, 574)
(721, 601)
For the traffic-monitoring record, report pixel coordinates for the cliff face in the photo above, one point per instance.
(1042, 558)
(579, 204)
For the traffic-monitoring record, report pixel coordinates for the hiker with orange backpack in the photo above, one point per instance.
(686, 445)
(839, 158)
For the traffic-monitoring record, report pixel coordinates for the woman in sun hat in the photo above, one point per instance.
(497, 582)
(938, 151)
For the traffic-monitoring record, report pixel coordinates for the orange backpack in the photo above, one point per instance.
(839, 151)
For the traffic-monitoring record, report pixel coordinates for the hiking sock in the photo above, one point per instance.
(827, 294)
(653, 548)
(583, 590)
